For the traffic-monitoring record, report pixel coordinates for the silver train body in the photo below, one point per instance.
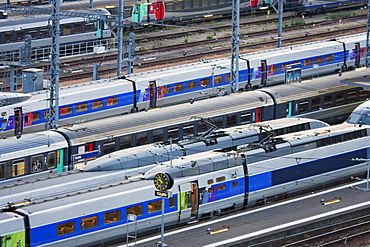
(185, 83)
(67, 148)
(226, 139)
(203, 184)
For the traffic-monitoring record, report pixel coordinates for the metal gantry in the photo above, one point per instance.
(234, 73)
(53, 116)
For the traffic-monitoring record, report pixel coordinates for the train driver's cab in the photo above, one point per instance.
(361, 115)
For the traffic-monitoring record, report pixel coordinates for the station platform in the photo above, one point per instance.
(259, 226)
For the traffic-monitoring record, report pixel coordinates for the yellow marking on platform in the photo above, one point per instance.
(331, 202)
(220, 230)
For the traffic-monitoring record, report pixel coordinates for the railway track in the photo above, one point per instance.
(347, 236)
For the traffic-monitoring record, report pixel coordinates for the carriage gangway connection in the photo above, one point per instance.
(259, 223)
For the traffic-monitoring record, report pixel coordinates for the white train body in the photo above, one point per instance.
(103, 98)
(203, 184)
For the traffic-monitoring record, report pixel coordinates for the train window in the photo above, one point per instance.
(2, 170)
(155, 206)
(234, 184)
(112, 101)
(3, 114)
(65, 228)
(231, 120)
(36, 163)
(218, 121)
(210, 181)
(111, 217)
(66, 110)
(97, 104)
(44, 32)
(89, 222)
(8, 36)
(205, 82)
(303, 106)
(275, 68)
(89, 27)
(339, 99)
(20, 35)
(18, 167)
(125, 142)
(329, 58)
(217, 80)
(77, 28)
(227, 77)
(191, 84)
(173, 132)
(307, 62)
(136, 210)
(202, 127)
(178, 87)
(51, 160)
(210, 190)
(220, 179)
(167, 90)
(109, 146)
(157, 135)
(318, 60)
(316, 103)
(363, 94)
(33, 32)
(66, 29)
(35, 116)
(46, 114)
(221, 187)
(141, 139)
(172, 202)
(245, 117)
(81, 107)
(352, 96)
(283, 67)
(188, 129)
(328, 101)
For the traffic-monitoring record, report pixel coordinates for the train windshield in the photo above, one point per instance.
(359, 118)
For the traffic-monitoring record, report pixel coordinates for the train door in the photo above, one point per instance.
(159, 10)
(357, 55)
(188, 201)
(258, 115)
(99, 29)
(289, 107)
(152, 94)
(248, 85)
(18, 122)
(263, 73)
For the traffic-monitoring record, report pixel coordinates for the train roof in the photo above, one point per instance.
(166, 116)
(31, 143)
(51, 185)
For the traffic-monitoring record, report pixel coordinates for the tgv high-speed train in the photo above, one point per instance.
(198, 186)
(323, 98)
(103, 98)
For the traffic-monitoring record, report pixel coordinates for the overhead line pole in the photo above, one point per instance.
(120, 38)
(234, 80)
(53, 116)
